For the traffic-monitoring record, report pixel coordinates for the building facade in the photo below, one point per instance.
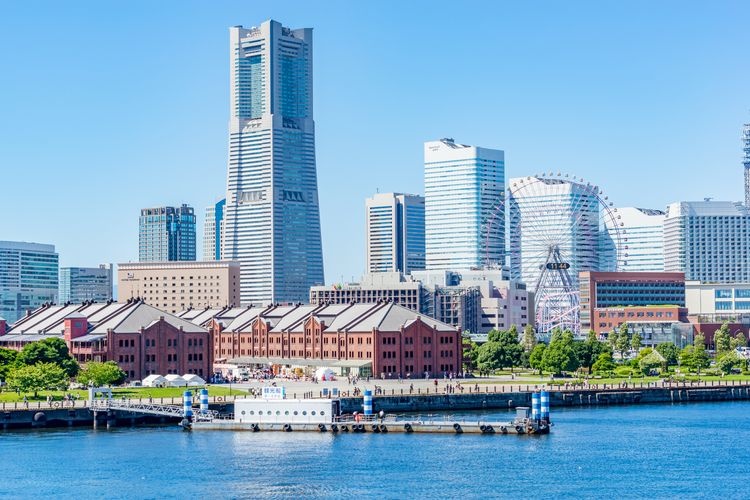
(395, 238)
(29, 274)
(176, 286)
(381, 339)
(213, 231)
(746, 161)
(82, 284)
(708, 241)
(141, 339)
(272, 219)
(641, 239)
(464, 206)
(476, 301)
(601, 291)
(166, 234)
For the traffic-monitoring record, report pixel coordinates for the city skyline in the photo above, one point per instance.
(703, 109)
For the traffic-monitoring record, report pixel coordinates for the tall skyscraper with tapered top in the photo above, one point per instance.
(272, 219)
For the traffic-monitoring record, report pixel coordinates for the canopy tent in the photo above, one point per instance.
(324, 373)
(154, 381)
(193, 379)
(174, 380)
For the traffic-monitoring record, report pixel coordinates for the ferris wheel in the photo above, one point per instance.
(558, 225)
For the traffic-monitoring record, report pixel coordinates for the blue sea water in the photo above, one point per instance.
(658, 451)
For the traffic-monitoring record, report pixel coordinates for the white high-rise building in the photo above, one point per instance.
(272, 218)
(213, 231)
(708, 240)
(395, 232)
(29, 277)
(464, 205)
(641, 236)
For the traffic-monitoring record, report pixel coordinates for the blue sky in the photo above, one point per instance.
(108, 107)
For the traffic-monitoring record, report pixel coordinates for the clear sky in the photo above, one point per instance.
(108, 107)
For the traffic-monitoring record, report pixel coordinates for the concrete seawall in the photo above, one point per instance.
(13, 417)
(558, 398)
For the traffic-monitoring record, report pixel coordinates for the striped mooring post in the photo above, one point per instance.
(536, 406)
(367, 402)
(204, 400)
(544, 400)
(187, 404)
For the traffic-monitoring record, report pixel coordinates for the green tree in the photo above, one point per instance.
(686, 358)
(50, 350)
(560, 355)
(536, 358)
(738, 341)
(635, 342)
(471, 351)
(612, 340)
(38, 377)
(700, 356)
(623, 341)
(529, 341)
(500, 351)
(101, 374)
(729, 361)
(604, 363)
(7, 361)
(722, 341)
(669, 351)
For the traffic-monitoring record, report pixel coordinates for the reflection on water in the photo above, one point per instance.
(656, 451)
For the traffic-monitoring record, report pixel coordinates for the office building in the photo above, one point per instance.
(395, 233)
(83, 284)
(175, 286)
(641, 237)
(28, 277)
(271, 218)
(213, 231)
(141, 339)
(166, 234)
(609, 299)
(381, 339)
(464, 206)
(476, 301)
(746, 161)
(708, 240)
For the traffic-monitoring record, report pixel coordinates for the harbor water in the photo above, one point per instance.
(656, 451)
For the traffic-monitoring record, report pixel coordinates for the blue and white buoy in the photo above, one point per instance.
(536, 406)
(367, 402)
(204, 400)
(545, 406)
(187, 404)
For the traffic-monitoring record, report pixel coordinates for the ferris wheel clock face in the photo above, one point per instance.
(558, 225)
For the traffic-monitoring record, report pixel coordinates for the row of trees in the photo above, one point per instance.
(504, 349)
(48, 365)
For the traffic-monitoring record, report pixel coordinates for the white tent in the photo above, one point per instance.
(154, 381)
(193, 379)
(174, 380)
(323, 373)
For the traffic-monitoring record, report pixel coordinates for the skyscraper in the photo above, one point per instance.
(79, 284)
(28, 277)
(641, 240)
(395, 232)
(272, 219)
(746, 160)
(166, 233)
(708, 241)
(464, 209)
(213, 231)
